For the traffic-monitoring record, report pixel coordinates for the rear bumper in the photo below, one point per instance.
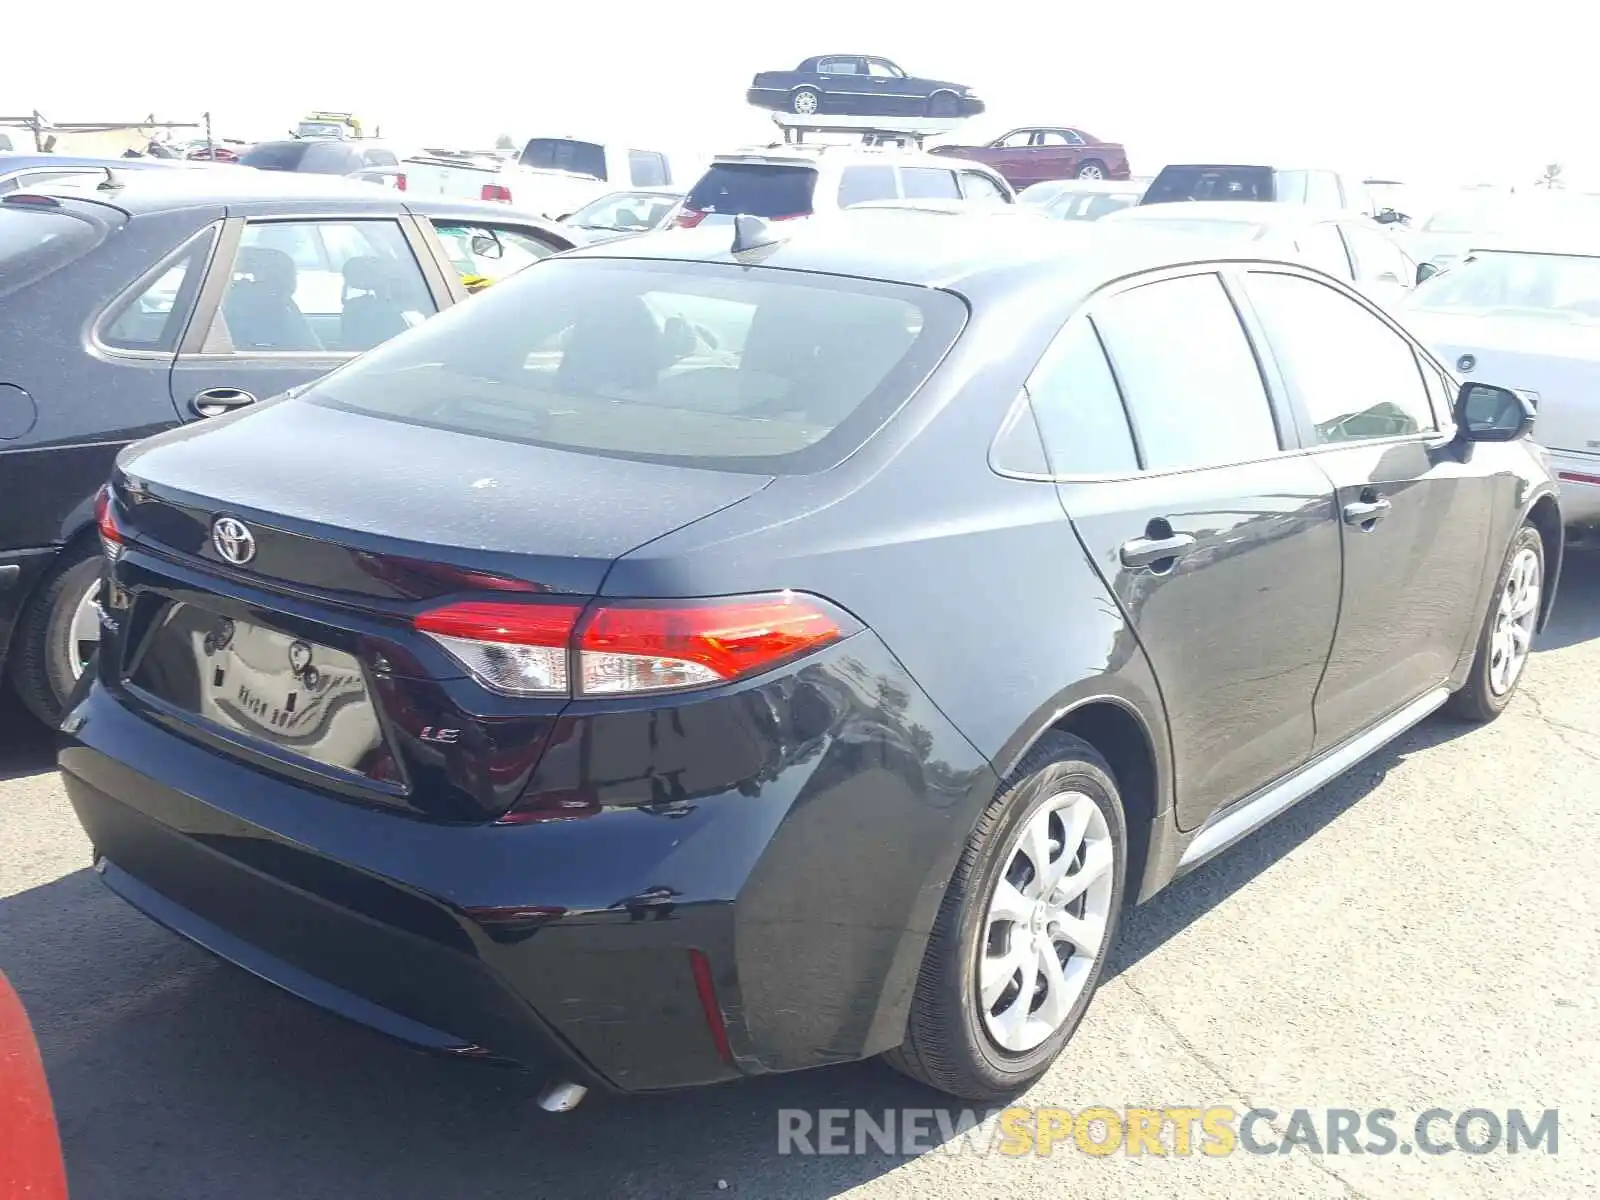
(1578, 477)
(808, 887)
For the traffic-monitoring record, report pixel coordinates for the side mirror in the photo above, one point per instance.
(487, 245)
(1426, 271)
(1485, 413)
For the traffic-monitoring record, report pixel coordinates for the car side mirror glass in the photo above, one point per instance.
(486, 245)
(1485, 413)
(1426, 271)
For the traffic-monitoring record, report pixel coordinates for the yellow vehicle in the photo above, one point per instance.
(328, 125)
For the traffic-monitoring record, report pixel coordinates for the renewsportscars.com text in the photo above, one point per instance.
(1216, 1131)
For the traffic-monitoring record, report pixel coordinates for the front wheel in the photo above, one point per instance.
(1026, 925)
(943, 105)
(1506, 639)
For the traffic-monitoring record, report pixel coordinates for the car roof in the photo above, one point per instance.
(245, 190)
(1257, 212)
(807, 154)
(969, 253)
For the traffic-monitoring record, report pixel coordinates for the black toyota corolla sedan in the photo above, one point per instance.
(131, 301)
(705, 656)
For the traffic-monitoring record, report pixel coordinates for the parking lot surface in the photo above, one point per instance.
(1422, 933)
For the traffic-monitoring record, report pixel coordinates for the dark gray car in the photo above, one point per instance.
(174, 295)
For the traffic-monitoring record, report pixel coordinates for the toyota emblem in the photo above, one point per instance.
(233, 540)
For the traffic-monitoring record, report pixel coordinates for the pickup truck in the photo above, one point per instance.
(472, 176)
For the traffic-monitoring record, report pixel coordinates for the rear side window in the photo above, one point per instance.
(648, 168)
(760, 189)
(1079, 411)
(152, 317)
(565, 154)
(35, 241)
(707, 365)
(927, 183)
(1188, 374)
(1210, 183)
(867, 183)
(275, 156)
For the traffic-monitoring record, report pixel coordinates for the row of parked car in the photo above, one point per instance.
(472, 673)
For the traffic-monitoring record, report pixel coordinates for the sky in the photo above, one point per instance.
(1418, 90)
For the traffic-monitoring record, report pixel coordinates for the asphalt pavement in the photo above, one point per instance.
(1425, 932)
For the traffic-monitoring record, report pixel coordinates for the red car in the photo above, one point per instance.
(1037, 153)
(30, 1147)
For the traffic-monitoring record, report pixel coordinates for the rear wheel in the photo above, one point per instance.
(805, 102)
(1506, 639)
(1022, 938)
(1093, 169)
(58, 634)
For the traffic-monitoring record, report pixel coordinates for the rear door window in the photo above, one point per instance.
(565, 154)
(929, 183)
(710, 365)
(1188, 373)
(867, 183)
(1375, 255)
(760, 189)
(977, 186)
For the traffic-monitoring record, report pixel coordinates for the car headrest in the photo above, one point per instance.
(271, 269)
(367, 273)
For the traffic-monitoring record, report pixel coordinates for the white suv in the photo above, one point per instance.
(781, 182)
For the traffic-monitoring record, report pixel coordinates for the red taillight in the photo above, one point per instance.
(706, 988)
(399, 183)
(1577, 477)
(496, 191)
(649, 648)
(112, 539)
(688, 218)
(629, 647)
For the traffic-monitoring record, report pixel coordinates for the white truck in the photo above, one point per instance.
(551, 176)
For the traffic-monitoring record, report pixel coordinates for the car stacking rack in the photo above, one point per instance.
(876, 131)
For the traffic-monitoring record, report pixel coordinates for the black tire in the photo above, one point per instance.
(42, 670)
(1083, 171)
(946, 1045)
(1476, 700)
(942, 105)
(796, 104)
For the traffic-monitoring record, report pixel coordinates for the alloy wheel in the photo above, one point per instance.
(1046, 923)
(83, 633)
(805, 103)
(1514, 622)
(1090, 171)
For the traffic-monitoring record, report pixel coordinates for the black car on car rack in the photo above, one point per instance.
(734, 650)
(136, 301)
(859, 85)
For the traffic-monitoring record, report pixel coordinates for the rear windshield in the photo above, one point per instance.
(564, 154)
(276, 156)
(760, 189)
(1210, 183)
(707, 365)
(36, 241)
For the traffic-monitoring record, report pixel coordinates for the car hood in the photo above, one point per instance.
(368, 483)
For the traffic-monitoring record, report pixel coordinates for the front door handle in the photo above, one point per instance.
(1150, 551)
(213, 402)
(1366, 513)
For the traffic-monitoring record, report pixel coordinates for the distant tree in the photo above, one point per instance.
(504, 142)
(1552, 177)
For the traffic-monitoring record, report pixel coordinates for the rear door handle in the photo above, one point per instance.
(1147, 552)
(213, 402)
(1366, 513)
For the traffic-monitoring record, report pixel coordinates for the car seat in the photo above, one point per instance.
(260, 307)
(831, 355)
(613, 347)
(373, 310)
